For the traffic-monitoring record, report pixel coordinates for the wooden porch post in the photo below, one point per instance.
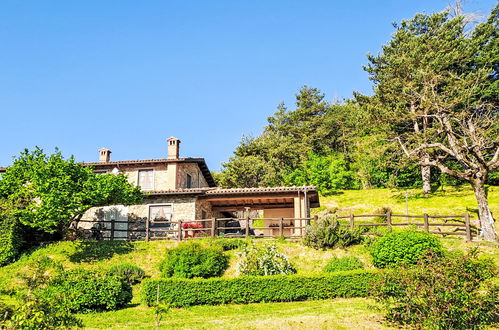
(179, 234)
(213, 227)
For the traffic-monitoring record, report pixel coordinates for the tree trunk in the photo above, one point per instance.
(426, 176)
(486, 219)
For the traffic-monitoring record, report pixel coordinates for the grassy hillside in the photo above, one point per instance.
(338, 313)
(445, 201)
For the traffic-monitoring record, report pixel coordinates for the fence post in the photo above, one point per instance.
(352, 221)
(147, 230)
(280, 227)
(112, 230)
(247, 226)
(426, 224)
(213, 227)
(389, 219)
(179, 234)
(468, 227)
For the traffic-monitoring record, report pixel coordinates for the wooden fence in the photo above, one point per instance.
(461, 223)
(292, 228)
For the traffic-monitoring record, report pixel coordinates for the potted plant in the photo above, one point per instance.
(191, 225)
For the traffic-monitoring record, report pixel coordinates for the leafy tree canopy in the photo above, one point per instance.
(49, 192)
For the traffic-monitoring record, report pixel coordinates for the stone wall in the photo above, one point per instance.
(198, 180)
(162, 175)
(183, 208)
(203, 205)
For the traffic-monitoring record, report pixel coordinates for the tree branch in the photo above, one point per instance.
(494, 162)
(463, 175)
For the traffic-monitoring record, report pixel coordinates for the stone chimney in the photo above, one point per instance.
(104, 155)
(173, 147)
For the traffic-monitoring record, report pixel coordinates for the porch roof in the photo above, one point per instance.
(238, 198)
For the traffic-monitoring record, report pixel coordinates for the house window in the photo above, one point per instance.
(158, 214)
(188, 181)
(146, 179)
(203, 214)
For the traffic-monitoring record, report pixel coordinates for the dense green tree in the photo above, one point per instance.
(281, 154)
(48, 192)
(441, 75)
(328, 173)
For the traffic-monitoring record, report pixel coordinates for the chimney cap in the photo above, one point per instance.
(104, 155)
(172, 138)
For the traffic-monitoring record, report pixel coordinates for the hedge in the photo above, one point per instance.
(253, 289)
(91, 291)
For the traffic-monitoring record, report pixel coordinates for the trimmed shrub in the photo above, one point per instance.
(228, 244)
(403, 247)
(91, 291)
(255, 289)
(441, 293)
(327, 233)
(132, 273)
(263, 260)
(191, 260)
(341, 264)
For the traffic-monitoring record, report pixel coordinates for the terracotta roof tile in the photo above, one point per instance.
(222, 191)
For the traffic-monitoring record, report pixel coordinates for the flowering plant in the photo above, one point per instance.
(192, 225)
(263, 260)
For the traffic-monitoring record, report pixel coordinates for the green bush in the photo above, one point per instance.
(254, 289)
(132, 273)
(403, 247)
(441, 293)
(228, 244)
(91, 291)
(191, 260)
(11, 239)
(327, 233)
(341, 264)
(6, 312)
(263, 260)
(33, 308)
(381, 210)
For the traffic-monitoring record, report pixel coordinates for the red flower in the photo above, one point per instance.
(192, 225)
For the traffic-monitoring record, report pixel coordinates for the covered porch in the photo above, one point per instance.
(261, 212)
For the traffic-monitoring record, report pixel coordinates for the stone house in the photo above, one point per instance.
(177, 188)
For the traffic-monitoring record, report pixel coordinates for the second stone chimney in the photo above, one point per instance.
(104, 155)
(173, 147)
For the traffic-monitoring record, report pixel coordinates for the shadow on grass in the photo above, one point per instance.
(472, 210)
(99, 250)
(332, 193)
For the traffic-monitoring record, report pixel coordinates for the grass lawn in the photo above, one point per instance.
(358, 313)
(445, 201)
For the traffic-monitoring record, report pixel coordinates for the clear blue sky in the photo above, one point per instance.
(82, 75)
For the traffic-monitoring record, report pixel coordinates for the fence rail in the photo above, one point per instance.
(292, 228)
